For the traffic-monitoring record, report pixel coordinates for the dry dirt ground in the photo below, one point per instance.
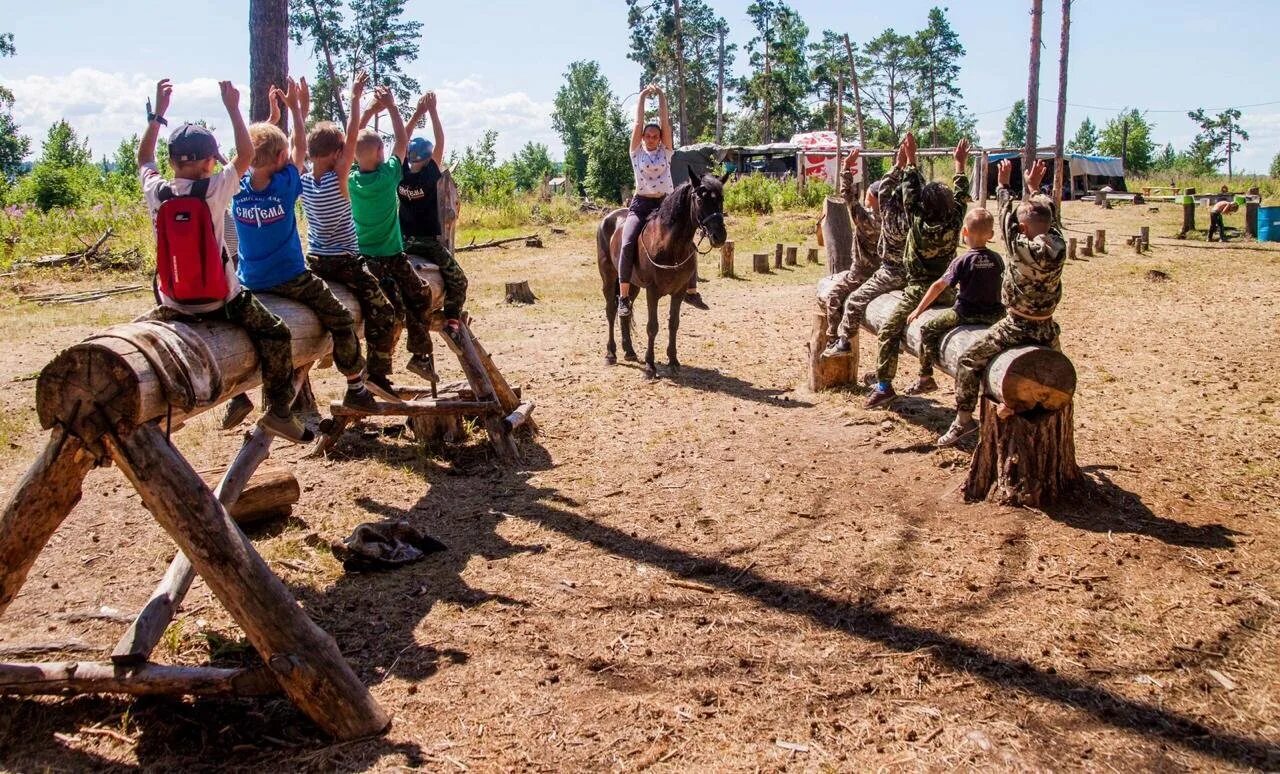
(724, 572)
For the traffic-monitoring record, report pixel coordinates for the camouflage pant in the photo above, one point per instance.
(269, 336)
(837, 295)
(890, 337)
(455, 280)
(410, 297)
(886, 279)
(379, 314)
(931, 334)
(1011, 331)
(309, 290)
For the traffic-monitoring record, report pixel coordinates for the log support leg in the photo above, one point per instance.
(1026, 460)
(473, 368)
(304, 659)
(828, 372)
(44, 497)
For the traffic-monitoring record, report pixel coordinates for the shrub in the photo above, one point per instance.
(762, 195)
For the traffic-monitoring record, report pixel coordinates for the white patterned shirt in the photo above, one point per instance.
(653, 171)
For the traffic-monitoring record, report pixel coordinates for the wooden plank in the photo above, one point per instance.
(75, 677)
(420, 408)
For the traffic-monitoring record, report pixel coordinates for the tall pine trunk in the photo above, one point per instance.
(684, 122)
(268, 55)
(720, 90)
(1064, 48)
(1033, 91)
(335, 84)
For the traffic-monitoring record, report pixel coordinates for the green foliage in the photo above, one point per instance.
(828, 70)
(761, 195)
(323, 25)
(607, 140)
(584, 84)
(779, 82)
(123, 176)
(381, 43)
(1216, 142)
(1086, 139)
(1275, 167)
(1015, 126)
(531, 166)
(14, 147)
(63, 149)
(1139, 154)
(27, 231)
(936, 52)
(479, 176)
(6, 45)
(889, 79)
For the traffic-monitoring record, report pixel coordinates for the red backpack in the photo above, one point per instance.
(190, 265)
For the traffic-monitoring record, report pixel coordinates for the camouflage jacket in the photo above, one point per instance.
(1033, 269)
(893, 220)
(866, 229)
(931, 246)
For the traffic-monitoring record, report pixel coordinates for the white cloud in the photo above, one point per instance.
(108, 107)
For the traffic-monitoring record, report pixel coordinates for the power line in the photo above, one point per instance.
(1148, 110)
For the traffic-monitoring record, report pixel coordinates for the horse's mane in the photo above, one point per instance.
(671, 206)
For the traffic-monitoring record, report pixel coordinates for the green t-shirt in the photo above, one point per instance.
(376, 209)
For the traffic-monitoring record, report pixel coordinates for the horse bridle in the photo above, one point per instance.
(700, 227)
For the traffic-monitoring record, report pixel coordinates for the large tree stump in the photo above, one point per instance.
(1026, 460)
(726, 259)
(1188, 219)
(1251, 219)
(519, 293)
(837, 233)
(828, 372)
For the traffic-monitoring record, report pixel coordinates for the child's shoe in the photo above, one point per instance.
(381, 386)
(359, 397)
(624, 306)
(695, 300)
(235, 411)
(881, 396)
(923, 385)
(841, 346)
(424, 366)
(288, 427)
(957, 431)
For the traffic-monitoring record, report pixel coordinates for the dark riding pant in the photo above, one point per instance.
(642, 207)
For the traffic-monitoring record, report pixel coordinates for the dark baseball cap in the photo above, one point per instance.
(192, 142)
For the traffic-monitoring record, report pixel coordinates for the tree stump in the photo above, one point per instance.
(813, 255)
(1100, 241)
(1100, 199)
(1087, 250)
(828, 372)
(533, 241)
(1188, 219)
(837, 233)
(1251, 219)
(726, 260)
(1145, 233)
(791, 259)
(760, 263)
(777, 256)
(519, 293)
(1071, 248)
(436, 431)
(1027, 460)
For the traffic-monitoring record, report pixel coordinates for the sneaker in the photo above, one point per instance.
(869, 379)
(624, 306)
(424, 366)
(881, 397)
(235, 411)
(360, 399)
(695, 300)
(957, 431)
(381, 386)
(453, 329)
(840, 346)
(288, 427)
(924, 384)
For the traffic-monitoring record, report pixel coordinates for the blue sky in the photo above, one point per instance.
(498, 63)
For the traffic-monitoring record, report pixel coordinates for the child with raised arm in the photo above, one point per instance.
(978, 273)
(333, 252)
(271, 258)
(193, 152)
(866, 247)
(936, 215)
(1031, 290)
(375, 206)
(420, 211)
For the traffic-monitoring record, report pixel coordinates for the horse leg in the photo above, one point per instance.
(611, 313)
(673, 325)
(628, 325)
(651, 301)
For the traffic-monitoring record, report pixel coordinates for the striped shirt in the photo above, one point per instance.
(330, 228)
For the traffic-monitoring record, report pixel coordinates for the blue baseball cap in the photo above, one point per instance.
(420, 149)
(192, 142)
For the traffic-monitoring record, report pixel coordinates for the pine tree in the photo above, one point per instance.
(1015, 126)
(268, 54)
(1128, 136)
(322, 24)
(828, 69)
(382, 43)
(654, 48)
(1086, 140)
(779, 81)
(63, 148)
(936, 54)
(1216, 141)
(889, 82)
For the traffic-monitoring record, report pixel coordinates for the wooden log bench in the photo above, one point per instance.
(1026, 448)
(103, 402)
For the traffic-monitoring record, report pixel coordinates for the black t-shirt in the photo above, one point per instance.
(419, 205)
(979, 274)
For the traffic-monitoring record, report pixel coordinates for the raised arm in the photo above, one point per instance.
(912, 180)
(147, 145)
(348, 154)
(437, 129)
(275, 98)
(397, 125)
(244, 144)
(298, 132)
(961, 180)
(370, 112)
(664, 119)
(304, 96)
(637, 129)
(1008, 206)
(419, 110)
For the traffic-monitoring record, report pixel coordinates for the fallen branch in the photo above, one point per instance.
(495, 243)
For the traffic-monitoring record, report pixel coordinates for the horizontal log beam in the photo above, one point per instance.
(108, 385)
(1023, 378)
(419, 408)
(145, 680)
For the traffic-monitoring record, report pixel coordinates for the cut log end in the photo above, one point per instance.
(519, 293)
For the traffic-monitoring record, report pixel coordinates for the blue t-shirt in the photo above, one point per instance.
(267, 228)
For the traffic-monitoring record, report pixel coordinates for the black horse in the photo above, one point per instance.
(666, 258)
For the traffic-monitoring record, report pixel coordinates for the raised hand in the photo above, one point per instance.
(909, 145)
(851, 163)
(360, 84)
(383, 97)
(291, 93)
(304, 93)
(230, 95)
(961, 155)
(164, 91)
(1034, 175)
(1004, 172)
(275, 98)
(431, 101)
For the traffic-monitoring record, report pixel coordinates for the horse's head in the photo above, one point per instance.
(708, 206)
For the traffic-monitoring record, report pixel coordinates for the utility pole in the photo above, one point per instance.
(1124, 144)
(1230, 131)
(721, 29)
(684, 124)
(768, 88)
(1033, 91)
(1064, 47)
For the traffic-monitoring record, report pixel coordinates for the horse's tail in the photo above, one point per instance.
(604, 235)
